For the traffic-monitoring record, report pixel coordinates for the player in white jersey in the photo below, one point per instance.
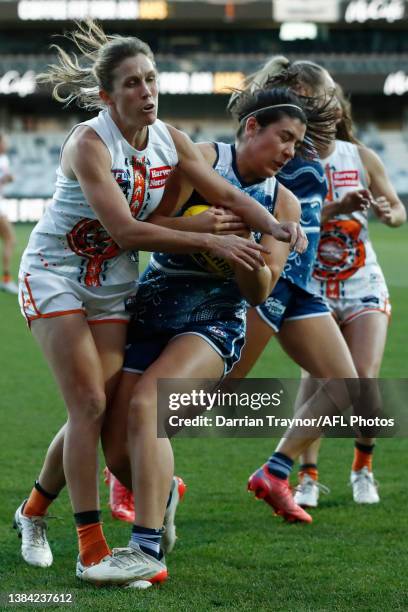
(79, 265)
(7, 234)
(348, 275)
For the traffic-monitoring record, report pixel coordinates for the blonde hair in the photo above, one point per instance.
(345, 127)
(279, 71)
(79, 78)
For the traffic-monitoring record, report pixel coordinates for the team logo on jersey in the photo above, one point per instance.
(158, 176)
(345, 178)
(275, 307)
(122, 177)
(341, 252)
(90, 240)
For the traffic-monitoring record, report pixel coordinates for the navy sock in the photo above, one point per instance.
(148, 539)
(280, 465)
(39, 488)
(364, 448)
(87, 518)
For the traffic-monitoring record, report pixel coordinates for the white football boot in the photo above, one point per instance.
(32, 530)
(307, 492)
(365, 488)
(123, 567)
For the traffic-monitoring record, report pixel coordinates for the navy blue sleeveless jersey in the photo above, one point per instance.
(177, 295)
(306, 180)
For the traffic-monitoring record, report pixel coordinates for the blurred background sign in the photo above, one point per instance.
(326, 11)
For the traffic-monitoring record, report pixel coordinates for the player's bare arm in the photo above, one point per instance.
(386, 204)
(257, 286)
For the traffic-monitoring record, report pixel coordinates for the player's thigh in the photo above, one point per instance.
(366, 336)
(317, 345)
(258, 334)
(185, 357)
(115, 425)
(69, 347)
(110, 339)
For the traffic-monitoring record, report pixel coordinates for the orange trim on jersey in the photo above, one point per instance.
(99, 321)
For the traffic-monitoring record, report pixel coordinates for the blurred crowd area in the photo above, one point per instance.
(34, 155)
(202, 49)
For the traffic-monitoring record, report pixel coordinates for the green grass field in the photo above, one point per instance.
(232, 553)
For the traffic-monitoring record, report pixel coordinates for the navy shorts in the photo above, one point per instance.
(165, 308)
(288, 302)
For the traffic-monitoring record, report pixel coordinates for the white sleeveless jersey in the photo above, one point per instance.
(70, 240)
(346, 264)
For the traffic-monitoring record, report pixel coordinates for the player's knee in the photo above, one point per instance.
(91, 404)
(142, 412)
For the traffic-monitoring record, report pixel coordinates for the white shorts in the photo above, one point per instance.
(364, 292)
(347, 310)
(45, 295)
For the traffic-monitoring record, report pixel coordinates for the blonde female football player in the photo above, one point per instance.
(348, 275)
(79, 266)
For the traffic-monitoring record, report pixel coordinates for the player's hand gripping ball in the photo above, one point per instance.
(205, 259)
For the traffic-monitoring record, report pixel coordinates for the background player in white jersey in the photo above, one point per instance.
(7, 234)
(76, 273)
(348, 275)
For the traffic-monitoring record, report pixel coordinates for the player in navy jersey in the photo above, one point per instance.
(299, 317)
(189, 321)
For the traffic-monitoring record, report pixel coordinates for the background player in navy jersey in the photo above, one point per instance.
(309, 333)
(297, 315)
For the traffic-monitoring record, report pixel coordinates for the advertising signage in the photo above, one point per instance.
(250, 12)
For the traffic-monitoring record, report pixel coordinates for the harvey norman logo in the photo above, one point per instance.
(345, 178)
(158, 176)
